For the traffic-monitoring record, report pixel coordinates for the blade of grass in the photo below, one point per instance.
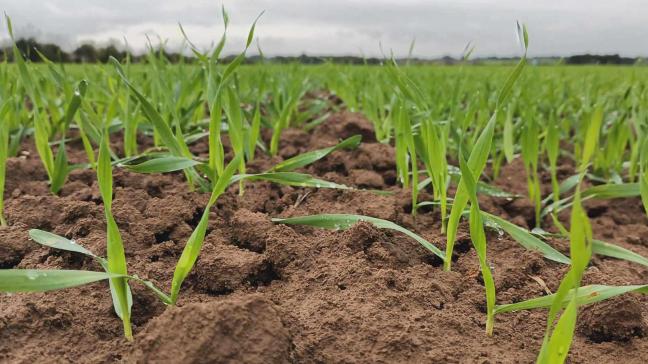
(42, 280)
(307, 158)
(114, 245)
(526, 239)
(558, 336)
(478, 237)
(476, 163)
(290, 179)
(194, 243)
(584, 295)
(162, 164)
(345, 221)
(610, 250)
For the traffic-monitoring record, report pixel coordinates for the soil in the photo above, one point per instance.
(266, 293)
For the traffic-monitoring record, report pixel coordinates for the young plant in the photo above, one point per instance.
(480, 152)
(116, 258)
(191, 250)
(216, 97)
(478, 237)
(433, 141)
(42, 280)
(508, 144)
(406, 160)
(560, 331)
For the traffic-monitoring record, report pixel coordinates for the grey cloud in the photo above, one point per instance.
(348, 27)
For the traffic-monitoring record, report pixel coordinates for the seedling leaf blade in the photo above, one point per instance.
(345, 221)
(307, 158)
(42, 280)
(162, 165)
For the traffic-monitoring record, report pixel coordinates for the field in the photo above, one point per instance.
(221, 212)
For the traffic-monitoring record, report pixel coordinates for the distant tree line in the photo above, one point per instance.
(85, 53)
(599, 59)
(89, 53)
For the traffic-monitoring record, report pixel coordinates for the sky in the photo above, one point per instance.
(344, 27)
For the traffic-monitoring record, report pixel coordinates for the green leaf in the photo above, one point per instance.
(254, 132)
(61, 170)
(250, 36)
(345, 221)
(482, 187)
(609, 191)
(74, 104)
(526, 239)
(508, 85)
(508, 143)
(580, 236)
(104, 173)
(591, 137)
(116, 258)
(490, 190)
(58, 242)
(478, 237)
(307, 158)
(42, 280)
(610, 250)
(289, 179)
(148, 284)
(561, 339)
(643, 188)
(558, 335)
(586, 295)
(162, 165)
(476, 163)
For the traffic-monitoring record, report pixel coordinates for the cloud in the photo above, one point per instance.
(348, 26)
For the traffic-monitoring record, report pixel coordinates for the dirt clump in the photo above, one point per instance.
(236, 330)
(618, 319)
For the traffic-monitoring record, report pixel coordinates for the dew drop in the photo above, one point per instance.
(32, 275)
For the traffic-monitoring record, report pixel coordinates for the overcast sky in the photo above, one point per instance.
(316, 27)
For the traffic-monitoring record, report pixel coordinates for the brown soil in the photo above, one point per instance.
(265, 293)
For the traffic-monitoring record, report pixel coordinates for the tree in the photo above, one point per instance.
(86, 53)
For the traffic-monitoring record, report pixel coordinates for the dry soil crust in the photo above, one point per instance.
(265, 293)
